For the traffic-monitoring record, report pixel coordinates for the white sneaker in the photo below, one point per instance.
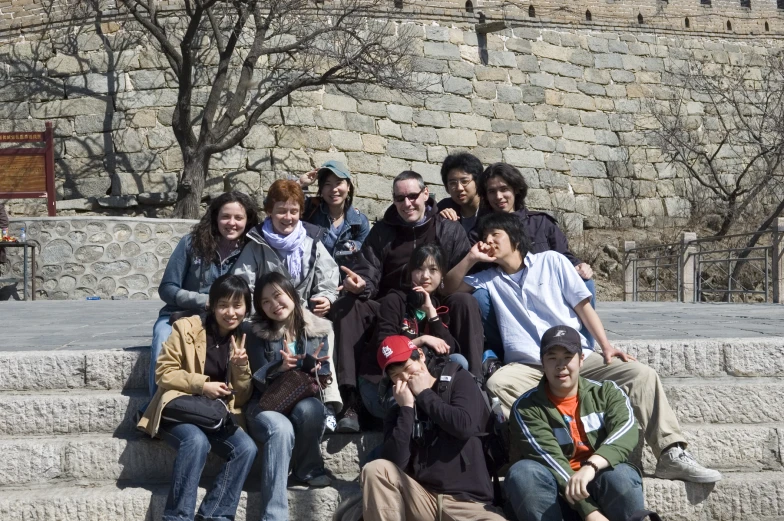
(677, 463)
(330, 422)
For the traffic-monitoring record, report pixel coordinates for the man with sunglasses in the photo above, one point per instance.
(410, 221)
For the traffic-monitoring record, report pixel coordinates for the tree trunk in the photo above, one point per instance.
(191, 185)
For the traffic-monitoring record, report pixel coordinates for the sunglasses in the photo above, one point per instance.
(410, 197)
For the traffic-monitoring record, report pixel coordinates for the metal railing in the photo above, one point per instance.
(657, 272)
(711, 269)
(727, 270)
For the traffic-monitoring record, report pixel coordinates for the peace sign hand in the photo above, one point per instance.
(289, 360)
(239, 356)
(353, 283)
(319, 359)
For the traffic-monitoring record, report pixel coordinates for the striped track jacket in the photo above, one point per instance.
(539, 432)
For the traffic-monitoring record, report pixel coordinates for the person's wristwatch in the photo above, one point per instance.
(590, 463)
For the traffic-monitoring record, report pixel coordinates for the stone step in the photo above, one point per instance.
(127, 368)
(738, 497)
(726, 399)
(32, 460)
(42, 413)
(78, 411)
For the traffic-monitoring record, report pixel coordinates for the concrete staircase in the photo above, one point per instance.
(69, 451)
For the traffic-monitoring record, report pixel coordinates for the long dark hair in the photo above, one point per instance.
(205, 235)
(511, 176)
(227, 286)
(284, 283)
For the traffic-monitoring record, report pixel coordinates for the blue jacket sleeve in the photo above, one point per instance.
(171, 289)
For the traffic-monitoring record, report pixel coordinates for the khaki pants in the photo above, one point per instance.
(641, 383)
(389, 494)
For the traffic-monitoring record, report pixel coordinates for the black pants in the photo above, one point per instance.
(354, 321)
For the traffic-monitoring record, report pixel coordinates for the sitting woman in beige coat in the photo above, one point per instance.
(204, 357)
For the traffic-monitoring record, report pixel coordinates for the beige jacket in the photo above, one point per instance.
(180, 371)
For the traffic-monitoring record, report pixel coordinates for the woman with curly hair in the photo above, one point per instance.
(201, 256)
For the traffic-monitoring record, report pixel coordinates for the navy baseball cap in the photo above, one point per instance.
(563, 336)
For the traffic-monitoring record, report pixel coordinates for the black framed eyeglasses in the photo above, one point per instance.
(410, 197)
(459, 182)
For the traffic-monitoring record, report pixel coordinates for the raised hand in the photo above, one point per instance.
(307, 179)
(215, 390)
(289, 360)
(482, 252)
(239, 356)
(319, 359)
(449, 213)
(353, 283)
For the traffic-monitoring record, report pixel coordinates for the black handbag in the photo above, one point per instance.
(644, 514)
(207, 414)
(203, 412)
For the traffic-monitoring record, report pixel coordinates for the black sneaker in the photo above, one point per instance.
(349, 420)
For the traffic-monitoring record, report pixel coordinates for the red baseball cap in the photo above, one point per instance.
(397, 348)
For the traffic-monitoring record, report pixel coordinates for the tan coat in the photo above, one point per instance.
(180, 371)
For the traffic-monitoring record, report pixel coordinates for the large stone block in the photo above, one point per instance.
(404, 150)
(456, 137)
(448, 104)
(442, 51)
(524, 158)
(71, 107)
(588, 168)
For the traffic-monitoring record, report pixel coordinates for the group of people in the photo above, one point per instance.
(475, 282)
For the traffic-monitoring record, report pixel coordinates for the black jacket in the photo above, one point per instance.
(388, 247)
(449, 459)
(542, 229)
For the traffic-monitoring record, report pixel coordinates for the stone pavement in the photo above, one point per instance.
(104, 324)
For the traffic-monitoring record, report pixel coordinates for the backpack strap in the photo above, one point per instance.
(445, 380)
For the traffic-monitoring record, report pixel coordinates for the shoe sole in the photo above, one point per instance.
(694, 480)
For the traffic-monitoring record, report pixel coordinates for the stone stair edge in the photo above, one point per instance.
(120, 369)
(738, 496)
(41, 459)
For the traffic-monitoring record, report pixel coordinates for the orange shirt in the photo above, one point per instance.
(570, 411)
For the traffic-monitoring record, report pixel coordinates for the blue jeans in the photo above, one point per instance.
(532, 493)
(293, 440)
(490, 322)
(192, 445)
(160, 333)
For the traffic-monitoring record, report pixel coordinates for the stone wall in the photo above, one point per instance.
(79, 257)
(567, 105)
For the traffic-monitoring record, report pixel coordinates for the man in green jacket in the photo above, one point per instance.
(570, 437)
